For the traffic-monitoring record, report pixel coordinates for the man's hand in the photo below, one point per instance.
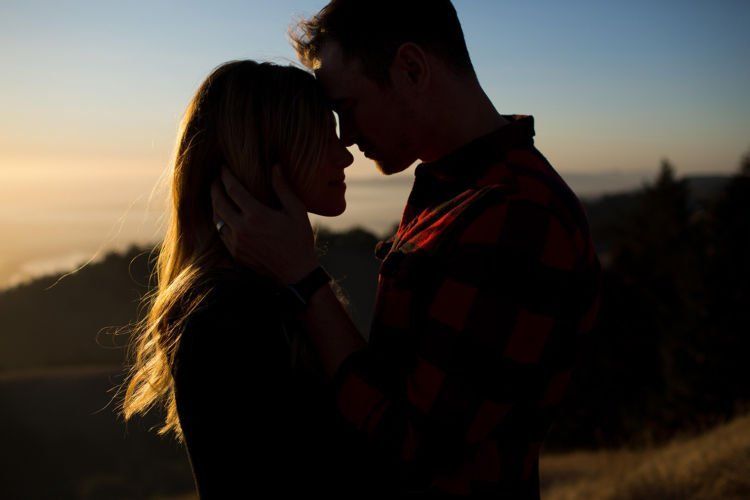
(279, 244)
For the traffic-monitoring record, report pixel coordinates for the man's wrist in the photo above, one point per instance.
(299, 294)
(297, 274)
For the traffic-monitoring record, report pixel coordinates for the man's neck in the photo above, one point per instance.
(464, 115)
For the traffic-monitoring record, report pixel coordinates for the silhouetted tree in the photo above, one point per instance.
(728, 285)
(674, 327)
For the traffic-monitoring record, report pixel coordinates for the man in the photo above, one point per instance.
(484, 289)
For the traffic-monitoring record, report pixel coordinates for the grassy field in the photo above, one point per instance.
(714, 465)
(61, 440)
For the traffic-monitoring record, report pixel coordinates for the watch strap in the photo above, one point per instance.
(302, 291)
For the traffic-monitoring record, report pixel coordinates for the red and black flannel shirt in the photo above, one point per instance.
(482, 295)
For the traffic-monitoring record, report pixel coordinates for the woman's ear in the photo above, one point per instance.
(411, 67)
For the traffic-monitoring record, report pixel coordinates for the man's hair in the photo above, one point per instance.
(373, 30)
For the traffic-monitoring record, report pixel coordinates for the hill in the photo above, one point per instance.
(60, 439)
(54, 322)
(667, 349)
(77, 320)
(669, 354)
(712, 465)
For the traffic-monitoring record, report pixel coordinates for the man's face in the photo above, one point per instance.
(377, 120)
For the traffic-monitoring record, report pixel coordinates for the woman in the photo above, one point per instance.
(218, 349)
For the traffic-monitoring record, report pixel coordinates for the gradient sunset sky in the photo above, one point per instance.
(613, 85)
(91, 93)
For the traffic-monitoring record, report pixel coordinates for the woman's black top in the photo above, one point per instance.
(253, 422)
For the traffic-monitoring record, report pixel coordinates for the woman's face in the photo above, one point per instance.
(326, 193)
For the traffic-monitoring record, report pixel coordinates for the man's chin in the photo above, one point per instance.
(388, 167)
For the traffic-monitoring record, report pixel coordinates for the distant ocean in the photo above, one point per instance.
(57, 220)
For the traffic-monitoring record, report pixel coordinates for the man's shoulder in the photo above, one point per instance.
(527, 181)
(519, 194)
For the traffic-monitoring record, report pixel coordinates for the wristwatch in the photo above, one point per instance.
(297, 295)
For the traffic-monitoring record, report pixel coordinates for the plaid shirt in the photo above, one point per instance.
(482, 295)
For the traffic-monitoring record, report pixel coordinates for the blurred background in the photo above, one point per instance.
(644, 109)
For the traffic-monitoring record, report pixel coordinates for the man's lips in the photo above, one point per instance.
(365, 151)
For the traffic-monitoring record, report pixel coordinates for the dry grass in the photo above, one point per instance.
(715, 465)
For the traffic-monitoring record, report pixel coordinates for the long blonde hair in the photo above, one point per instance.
(247, 116)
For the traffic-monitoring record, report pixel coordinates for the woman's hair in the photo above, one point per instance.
(247, 116)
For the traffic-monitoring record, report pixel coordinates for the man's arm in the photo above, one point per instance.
(331, 329)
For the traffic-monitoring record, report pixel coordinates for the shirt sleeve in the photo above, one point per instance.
(490, 344)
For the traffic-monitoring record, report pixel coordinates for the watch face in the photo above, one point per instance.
(290, 297)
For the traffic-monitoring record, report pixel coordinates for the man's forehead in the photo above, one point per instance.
(334, 70)
(330, 55)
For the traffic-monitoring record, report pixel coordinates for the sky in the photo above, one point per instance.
(91, 93)
(612, 85)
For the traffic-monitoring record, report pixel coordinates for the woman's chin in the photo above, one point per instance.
(332, 210)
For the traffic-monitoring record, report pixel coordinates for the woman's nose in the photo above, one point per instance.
(345, 158)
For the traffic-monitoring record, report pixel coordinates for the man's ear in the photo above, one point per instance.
(411, 67)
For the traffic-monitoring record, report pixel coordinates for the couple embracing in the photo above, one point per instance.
(483, 292)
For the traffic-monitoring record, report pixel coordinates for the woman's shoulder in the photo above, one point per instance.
(240, 280)
(235, 294)
(238, 315)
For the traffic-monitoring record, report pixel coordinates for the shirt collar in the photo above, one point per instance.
(443, 179)
(468, 162)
